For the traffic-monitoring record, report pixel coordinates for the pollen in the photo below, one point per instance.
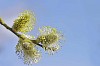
(50, 39)
(26, 51)
(25, 22)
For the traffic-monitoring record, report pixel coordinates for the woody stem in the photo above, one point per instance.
(17, 34)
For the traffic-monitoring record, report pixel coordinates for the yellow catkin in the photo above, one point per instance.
(50, 38)
(26, 50)
(25, 22)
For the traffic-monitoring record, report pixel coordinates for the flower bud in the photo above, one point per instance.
(25, 22)
(49, 38)
(26, 50)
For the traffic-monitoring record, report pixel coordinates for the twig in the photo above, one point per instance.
(17, 34)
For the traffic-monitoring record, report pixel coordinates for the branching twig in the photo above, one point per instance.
(7, 27)
(17, 34)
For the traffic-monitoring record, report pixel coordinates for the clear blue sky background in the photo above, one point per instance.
(79, 21)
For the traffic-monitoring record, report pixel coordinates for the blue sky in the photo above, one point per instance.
(78, 20)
